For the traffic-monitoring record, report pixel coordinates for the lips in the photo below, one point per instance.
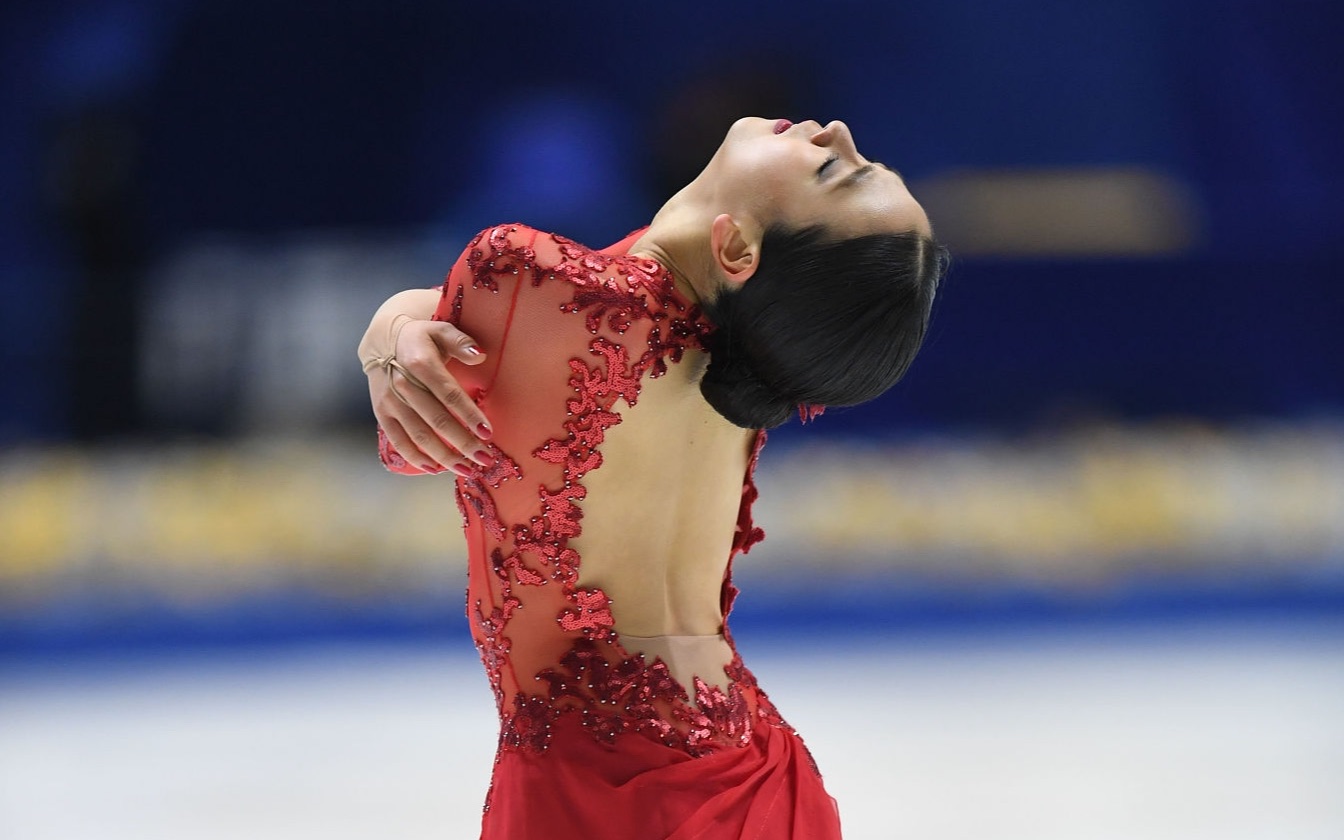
(782, 126)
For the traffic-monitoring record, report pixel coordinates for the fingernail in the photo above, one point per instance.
(483, 431)
(431, 468)
(473, 350)
(483, 457)
(461, 470)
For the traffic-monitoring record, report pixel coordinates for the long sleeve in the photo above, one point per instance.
(494, 293)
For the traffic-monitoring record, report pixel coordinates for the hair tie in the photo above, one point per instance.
(808, 412)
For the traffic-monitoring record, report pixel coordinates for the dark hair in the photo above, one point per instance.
(821, 322)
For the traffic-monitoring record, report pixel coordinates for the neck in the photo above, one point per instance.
(678, 239)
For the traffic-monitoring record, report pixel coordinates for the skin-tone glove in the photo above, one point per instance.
(427, 416)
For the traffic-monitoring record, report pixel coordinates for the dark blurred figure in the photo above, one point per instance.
(92, 191)
(691, 125)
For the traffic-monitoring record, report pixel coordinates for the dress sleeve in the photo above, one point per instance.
(481, 297)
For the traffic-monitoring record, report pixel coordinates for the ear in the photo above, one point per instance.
(736, 250)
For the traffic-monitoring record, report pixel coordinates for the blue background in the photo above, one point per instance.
(264, 118)
(132, 129)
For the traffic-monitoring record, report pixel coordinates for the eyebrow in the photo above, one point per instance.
(863, 171)
(889, 169)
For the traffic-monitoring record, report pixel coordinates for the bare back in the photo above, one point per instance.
(661, 513)
(617, 496)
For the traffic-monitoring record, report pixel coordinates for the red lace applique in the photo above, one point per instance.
(605, 298)
(504, 257)
(590, 615)
(471, 493)
(563, 560)
(572, 678)
(559, 514)
(503, 468)
(765, 710)
(493, 645)
(637, 696)
(569, 249)
(718, 717)
(566, 564)
(629, 693)
(529, 726)
(739, 675)
(612, 690)
(747, 533)
(391, 460)
(455, 308)
(514, 564)
(599, 387)
(683, 333)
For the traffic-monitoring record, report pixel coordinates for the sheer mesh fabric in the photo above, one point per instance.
(663, 736)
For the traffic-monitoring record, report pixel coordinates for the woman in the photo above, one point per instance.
(603, 433)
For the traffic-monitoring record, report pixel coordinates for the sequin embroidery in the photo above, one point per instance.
(635, 324)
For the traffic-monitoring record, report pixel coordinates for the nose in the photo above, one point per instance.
(833, 133)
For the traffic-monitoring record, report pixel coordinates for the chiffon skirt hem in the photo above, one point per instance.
(581, 789)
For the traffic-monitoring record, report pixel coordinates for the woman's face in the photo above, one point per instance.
(801, 174)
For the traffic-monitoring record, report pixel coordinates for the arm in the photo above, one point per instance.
(423, 414)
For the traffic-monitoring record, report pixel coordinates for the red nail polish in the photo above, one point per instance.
(483, 431)
(461, 470)
(431, 468)
(473, 350)
(483, 457)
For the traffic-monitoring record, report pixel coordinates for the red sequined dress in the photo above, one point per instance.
(597, 740)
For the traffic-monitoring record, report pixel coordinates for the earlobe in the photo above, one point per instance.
(736, 251)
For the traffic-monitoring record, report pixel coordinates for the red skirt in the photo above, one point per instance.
(581, 789)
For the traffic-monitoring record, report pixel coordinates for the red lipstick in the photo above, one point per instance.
(782, 126)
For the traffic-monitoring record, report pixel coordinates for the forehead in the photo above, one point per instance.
(877, 201)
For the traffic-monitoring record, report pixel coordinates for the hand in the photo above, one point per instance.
(434, 424)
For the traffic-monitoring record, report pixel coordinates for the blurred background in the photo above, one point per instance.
(1087, 560)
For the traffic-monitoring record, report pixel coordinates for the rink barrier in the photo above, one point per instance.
(290, 537)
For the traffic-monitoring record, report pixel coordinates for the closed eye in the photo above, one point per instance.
(821, 170)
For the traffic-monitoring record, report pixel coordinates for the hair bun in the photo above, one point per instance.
(736, 392)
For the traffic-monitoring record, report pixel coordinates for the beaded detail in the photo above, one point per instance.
(521, 515)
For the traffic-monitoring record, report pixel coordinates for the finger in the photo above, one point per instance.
(425, 439)
(443, 391)
(456, 344)
(443, 423)
(426, 362)
(395, 400)
(419, 438)
(401, 443)
(393, 417)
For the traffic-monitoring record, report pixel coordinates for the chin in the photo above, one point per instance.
(750, 126)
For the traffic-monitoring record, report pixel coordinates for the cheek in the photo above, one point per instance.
(760, 173)
(767, 175)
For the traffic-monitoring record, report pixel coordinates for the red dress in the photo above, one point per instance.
(596, 742)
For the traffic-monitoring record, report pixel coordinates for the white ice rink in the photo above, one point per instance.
(1209, 732)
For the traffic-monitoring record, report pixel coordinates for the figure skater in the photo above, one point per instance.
(602, 412)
